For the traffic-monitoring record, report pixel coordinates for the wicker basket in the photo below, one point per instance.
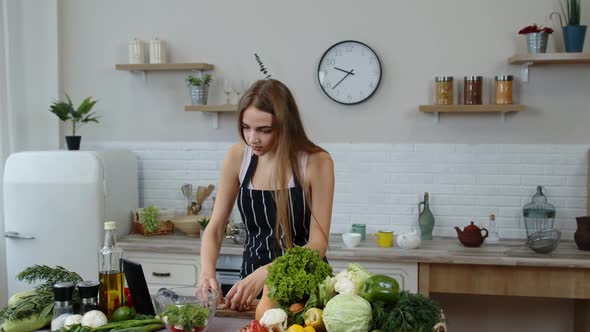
(165, 226)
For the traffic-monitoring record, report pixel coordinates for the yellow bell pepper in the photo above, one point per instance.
(313, 318)
(295, 328)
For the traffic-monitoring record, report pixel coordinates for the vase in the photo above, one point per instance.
(537, 42)
(582, 234)
(573, 38)
(425, 219)
(199, 94)
(73, 142)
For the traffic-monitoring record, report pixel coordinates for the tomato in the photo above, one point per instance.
(123, 313)
(256, 327)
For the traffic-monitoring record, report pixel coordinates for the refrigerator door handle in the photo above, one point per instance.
(17, 236)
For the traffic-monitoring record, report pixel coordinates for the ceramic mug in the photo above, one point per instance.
(361, 229)
(383, 239)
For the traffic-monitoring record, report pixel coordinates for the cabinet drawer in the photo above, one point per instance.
(170, 274)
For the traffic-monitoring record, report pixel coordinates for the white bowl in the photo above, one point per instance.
(351, 240)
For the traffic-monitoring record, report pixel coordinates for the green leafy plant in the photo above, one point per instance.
(199, 80)
(65, 111)
(37, 303)
(570, 12)
(412, 313)
(149, 218)
(204, 222)
(294, 276)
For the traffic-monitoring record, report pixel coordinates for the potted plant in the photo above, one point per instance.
(573, 32)
(536, 38)
(199, 88)
(65, 111)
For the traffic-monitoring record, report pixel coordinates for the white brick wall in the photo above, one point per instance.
(381, 184)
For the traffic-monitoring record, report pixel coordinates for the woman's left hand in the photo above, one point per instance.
(241, 295)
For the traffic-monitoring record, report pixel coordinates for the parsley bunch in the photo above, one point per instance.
(295, 275)
(412, 313)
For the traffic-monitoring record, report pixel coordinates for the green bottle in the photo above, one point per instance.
(425, 219)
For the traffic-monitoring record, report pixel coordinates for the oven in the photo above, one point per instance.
(227, 271)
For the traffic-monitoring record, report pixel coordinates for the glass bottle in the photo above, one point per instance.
(444, 90)
(425, 219)
(504, 89)
(110, 272)
(62, 307)
(88, 291)
(472, 90)
(493, 236)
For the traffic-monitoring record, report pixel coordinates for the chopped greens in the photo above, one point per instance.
(189, 316)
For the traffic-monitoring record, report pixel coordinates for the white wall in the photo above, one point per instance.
(415, 40)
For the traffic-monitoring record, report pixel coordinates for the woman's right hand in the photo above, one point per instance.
(208, 281)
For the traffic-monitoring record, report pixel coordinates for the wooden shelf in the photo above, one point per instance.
(164, 66)
(490, 108)
(211, 108)
(549, 58)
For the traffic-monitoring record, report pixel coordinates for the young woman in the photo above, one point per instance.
(284, 186)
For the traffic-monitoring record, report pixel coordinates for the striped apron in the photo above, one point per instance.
(258, 211)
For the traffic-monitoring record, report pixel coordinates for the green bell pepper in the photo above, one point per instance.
(381, 288)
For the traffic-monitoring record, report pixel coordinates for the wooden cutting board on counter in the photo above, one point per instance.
(227, 312)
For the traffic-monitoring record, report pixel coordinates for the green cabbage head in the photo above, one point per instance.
(347, 313)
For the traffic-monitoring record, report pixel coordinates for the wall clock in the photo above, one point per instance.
(349, 72)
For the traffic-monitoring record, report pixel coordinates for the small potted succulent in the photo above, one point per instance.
(536, 38)
(65, 111)
(573, 32)
(199, 88)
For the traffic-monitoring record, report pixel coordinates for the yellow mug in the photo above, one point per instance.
(383, 239)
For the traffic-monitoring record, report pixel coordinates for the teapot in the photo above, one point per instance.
(471, 235)
(409, 240)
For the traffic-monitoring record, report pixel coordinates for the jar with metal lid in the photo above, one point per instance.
(472, 90)
(504, 89)
(444, 90)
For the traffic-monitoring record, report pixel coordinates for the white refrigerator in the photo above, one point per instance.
(55, 204)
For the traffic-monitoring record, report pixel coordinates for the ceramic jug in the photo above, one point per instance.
(582, 234)
(425, 219)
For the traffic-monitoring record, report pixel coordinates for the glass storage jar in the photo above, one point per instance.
(472, 90)
(444, 90)
(504, 84)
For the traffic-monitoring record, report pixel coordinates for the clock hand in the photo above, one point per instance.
(342, 70)
(345, 76)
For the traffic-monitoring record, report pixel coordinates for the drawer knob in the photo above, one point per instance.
(161, 274)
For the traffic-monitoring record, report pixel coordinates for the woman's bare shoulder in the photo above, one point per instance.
(234, 155)
(320, 160)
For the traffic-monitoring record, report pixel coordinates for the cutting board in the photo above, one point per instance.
(248, 314)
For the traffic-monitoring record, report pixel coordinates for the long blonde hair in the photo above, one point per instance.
(274, 97)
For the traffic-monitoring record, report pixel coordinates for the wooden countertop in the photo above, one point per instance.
(439, 250)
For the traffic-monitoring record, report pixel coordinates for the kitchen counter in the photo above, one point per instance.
(507, 268)
(439, 250)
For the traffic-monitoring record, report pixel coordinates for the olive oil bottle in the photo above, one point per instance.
(110, 272)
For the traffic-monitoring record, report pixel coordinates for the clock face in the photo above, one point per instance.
(349, 72)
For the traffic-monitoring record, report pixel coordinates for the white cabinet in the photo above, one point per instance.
(167, 269)
(406, 274)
